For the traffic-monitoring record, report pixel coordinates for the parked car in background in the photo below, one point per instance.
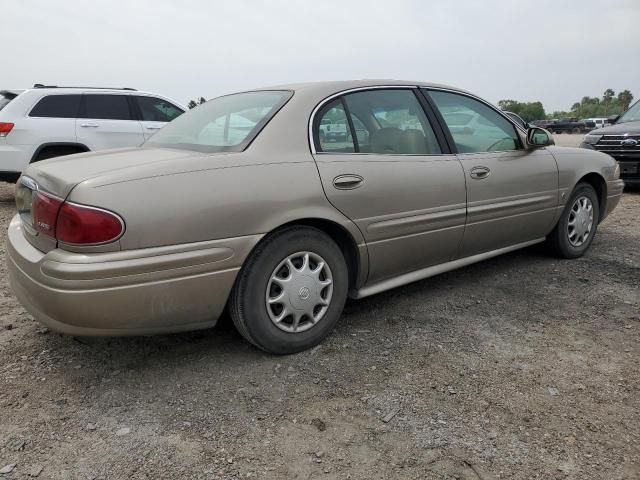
(621, 140)
(281, 225)
(596, 122)
(333, 131)
(45, 122)
(567, 125)
(541, 123)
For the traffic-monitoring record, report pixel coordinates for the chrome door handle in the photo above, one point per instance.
(153, 127)
(347, 182)
(480, 172)
(87, 125)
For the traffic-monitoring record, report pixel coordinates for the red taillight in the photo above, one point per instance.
(73, 223)
(83, 225)
(5, 128)
(44, 211)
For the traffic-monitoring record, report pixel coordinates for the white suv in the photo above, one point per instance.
(46, 122)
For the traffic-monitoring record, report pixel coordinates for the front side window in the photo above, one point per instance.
(224, 124)
(474, 126)
(106, 107)
(157, 110)
(391, 122)
(57, 106)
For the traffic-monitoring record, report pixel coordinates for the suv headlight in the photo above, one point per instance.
(616, 172)
(591, 139)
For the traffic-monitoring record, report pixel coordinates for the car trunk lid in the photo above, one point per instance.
(59, 175)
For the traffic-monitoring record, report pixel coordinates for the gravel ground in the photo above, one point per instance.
(520, 367)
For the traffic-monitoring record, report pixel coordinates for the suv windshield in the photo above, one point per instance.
(224, 124)
(631, 115)
(5, 98)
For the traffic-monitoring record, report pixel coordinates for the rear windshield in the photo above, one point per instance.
(224, 124)
(5, 98)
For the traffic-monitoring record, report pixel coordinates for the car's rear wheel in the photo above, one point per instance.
(291, 291)
(577, 226)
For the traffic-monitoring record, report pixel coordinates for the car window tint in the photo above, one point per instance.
(333, 130)
(157, 110)
(391, 122)
(57, 106)
(474, 126)
(107, 107)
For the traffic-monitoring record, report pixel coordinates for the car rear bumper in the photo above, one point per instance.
(13, 160)
(139, 292)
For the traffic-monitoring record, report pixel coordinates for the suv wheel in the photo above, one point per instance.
(291, 291)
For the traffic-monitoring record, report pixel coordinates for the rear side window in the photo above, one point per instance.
(106, 107)
(157, 110)
(5, 98)
(391, 122)
(334, 133)
(57, 106)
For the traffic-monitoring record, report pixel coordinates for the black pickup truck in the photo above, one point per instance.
(568, 125)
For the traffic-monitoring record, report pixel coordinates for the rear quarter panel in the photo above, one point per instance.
(230, 196)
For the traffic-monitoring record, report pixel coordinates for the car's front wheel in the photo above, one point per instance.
(578, 223)
(291, 291)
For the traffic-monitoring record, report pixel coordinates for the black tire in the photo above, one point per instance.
(247, 303)
(558, 239)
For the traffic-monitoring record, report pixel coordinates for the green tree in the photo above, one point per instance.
(607, 97)
(624, 99)
(529, 111)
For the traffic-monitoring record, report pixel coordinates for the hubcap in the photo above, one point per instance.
(580, 221)
(299, 292)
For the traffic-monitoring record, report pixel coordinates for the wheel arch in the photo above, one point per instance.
(355, 255)
(80, 146)
(599, 184)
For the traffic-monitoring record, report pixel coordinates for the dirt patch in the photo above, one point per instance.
(520, 367)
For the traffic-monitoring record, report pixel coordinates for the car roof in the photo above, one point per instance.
(330, 87)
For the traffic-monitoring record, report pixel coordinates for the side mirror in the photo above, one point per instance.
(539, 137)
(613, 119)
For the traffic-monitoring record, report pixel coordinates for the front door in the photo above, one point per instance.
(512, 192)
(384, 168)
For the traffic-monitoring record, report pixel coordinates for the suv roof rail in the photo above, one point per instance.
(40, 85)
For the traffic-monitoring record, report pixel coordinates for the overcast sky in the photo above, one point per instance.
(550, 50)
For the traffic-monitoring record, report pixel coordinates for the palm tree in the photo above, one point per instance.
(625, 97)
(606, 99)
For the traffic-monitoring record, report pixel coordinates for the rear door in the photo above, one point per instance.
(512, 192)
(392, 176)
(107, 120)
(154, 113)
